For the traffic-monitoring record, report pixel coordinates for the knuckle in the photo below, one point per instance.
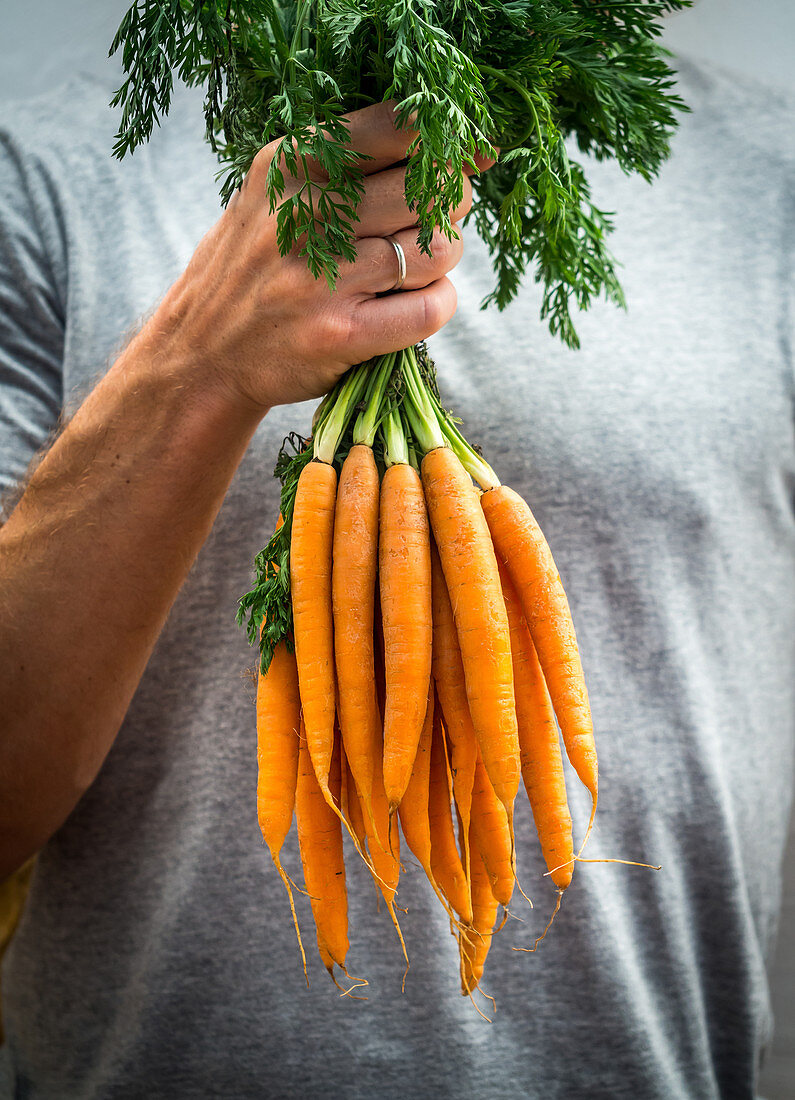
(465, 205)
(376, 264)
(432, 319)
(397, 127)
(388, 119)
(261, 244)
(445, 252)
(336, 329)
(467, 190)
(440, 247)
(262, 161)
(439, 307)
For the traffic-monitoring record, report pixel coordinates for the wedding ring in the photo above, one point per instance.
(401, 259)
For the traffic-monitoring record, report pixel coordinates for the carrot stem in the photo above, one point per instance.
(330, 432)
(474, 464)
(396, 451)
(373, 414)
(419, 408)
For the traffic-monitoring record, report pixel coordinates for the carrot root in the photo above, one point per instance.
(288, 885)
(555, 911)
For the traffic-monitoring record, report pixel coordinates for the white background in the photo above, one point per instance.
(43, 41)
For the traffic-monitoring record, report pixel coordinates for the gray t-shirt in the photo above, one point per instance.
(156, 956)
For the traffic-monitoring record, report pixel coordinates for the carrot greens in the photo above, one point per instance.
(533, 77)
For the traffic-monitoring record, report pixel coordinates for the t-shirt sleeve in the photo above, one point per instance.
(31, 312)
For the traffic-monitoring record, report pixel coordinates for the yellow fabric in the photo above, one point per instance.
(12, 899)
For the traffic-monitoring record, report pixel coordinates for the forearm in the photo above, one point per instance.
(96, 551)
(91, 561)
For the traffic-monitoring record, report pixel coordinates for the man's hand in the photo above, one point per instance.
(274, 334)
(111, 521)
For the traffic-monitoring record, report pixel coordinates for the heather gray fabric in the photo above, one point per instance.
(156, 957)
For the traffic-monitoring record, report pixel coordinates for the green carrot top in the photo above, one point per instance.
(468, 75)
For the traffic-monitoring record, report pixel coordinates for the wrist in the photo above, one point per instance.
(184, 370)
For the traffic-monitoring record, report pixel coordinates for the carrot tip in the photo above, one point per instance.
(288, 884)
(524, 895)
(470, 993)
(392, 812)
(357, 983)
(555, 911)
(626, 862)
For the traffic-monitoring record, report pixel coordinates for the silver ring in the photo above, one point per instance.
(401, 259)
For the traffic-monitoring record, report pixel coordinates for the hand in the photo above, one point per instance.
(270, 331)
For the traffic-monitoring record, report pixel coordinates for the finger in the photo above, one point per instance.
(375, 269)
(388, 324)
(484, 163)
(372, 132)
(383, 208)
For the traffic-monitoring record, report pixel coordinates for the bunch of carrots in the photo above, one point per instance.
(418, 659)
(417, 651)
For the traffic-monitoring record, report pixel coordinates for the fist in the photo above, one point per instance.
(263, 327)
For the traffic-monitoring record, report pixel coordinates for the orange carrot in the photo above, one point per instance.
(380, 663)
(491, 835)
(310, 586)
(278, 716)
(475, 948)
(520, 543)
(350, 804)
(355, 562)
(386, 862)
(413, 809)
(473, 583)
(278, 722)
(386, 858)
(448, 675)
(539, 745)
(446, 866)
(405, 583)
(320, 842)
(326, 958)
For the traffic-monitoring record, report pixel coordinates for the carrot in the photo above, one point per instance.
(405, 583)
(484, 915)
(349, 802)
(520, 543)
(380, 662)
(320, 843)
(491, 835)
(326, 959)
(278, 722)
(353, 578)
(539, 745)
(278, 715)
(310, 586)
(386, 859)
(448, 675)
(413, 809)
(386, 863)
(473, 583)
(446, 866)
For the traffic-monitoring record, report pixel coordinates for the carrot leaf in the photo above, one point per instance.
(534, 78)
